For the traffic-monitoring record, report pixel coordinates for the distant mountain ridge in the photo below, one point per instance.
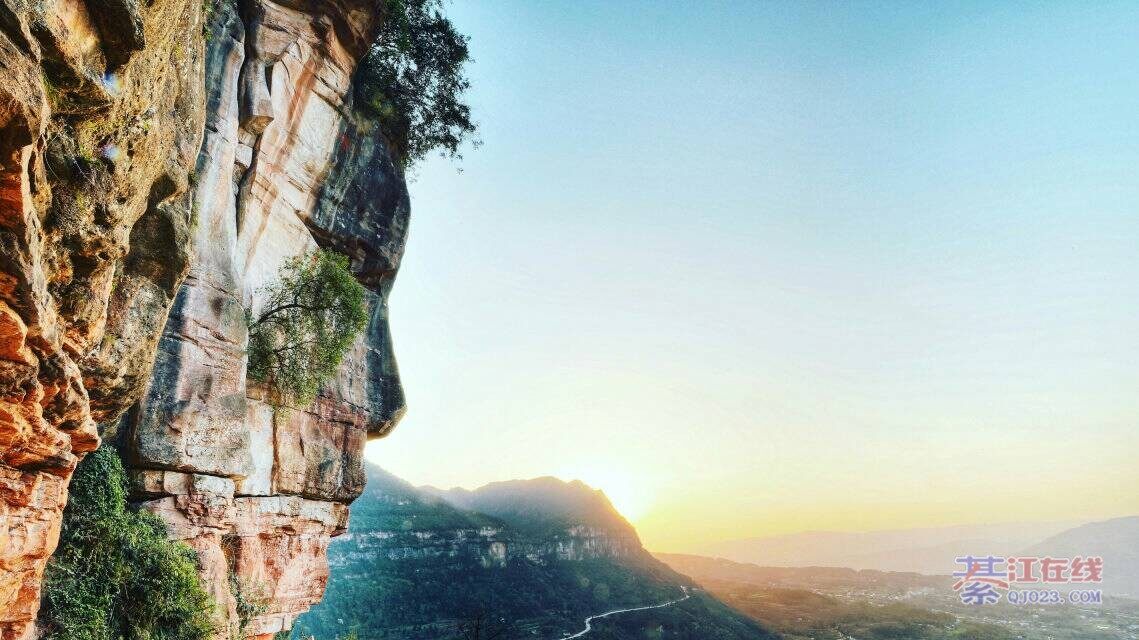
(829, 603)
(391, 503)
(928, 550)
(536, 555)
(1115, 540)
(536, 519)
(540, 505)
(932, 551)
(703, 568)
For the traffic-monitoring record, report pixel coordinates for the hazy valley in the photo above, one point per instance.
(535, 558)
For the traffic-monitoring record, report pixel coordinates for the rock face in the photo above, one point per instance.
(101, 111)
(160, 161)
(539, 521)
(285, 167)
(493, 547)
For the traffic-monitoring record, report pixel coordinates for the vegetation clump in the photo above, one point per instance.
(308, 320)
(412, 81)
(250, 600)
(115, 576)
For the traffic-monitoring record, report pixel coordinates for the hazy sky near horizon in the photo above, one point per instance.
(757, 268)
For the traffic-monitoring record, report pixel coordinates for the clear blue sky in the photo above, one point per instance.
(756, 268)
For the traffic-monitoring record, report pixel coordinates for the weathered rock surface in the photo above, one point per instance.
(101, 111)
(494, 547)
(285, 166)
(160, 161)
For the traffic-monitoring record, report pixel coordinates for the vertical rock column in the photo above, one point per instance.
(286, 166)
(100, 121)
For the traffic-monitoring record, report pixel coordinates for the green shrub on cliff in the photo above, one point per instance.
(412, 80)
(115, 576)
(308, 321)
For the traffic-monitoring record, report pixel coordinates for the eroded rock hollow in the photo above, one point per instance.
(160, 162)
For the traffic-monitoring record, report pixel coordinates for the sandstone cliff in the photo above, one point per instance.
(101, 107)
(284, 168)
(160, 161)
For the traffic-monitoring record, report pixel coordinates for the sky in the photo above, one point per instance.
(760, 268)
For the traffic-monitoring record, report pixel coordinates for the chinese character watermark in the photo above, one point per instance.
(986, 579)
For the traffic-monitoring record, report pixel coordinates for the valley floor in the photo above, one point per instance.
(837, 604)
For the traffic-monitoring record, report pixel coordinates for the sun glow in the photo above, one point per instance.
(625, 490)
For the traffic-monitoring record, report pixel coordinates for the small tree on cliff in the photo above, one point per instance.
(308, 321)
(412, 80)
(115, 576)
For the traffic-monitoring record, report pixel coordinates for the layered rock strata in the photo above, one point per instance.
(160, 161)
(286, 166)
(493, 547)
(101, 111)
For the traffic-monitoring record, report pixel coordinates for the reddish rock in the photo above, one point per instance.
(258, 490)
(97, 137)
(150, 186)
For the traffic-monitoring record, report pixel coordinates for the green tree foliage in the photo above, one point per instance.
(308, 321)
(115, 576)
(412, 81)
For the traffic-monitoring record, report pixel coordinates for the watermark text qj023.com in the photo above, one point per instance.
(1028, 580)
